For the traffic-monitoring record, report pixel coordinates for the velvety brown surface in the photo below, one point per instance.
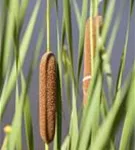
(47, 96)
(96, 23)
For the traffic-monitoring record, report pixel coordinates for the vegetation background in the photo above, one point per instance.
(40, 27)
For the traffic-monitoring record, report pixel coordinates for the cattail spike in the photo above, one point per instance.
(96, 23)
(47, 96)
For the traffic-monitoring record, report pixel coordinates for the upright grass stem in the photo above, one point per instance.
(46, 146)
(95, 9)
(91, 46)
(48, 25)
(93, 13)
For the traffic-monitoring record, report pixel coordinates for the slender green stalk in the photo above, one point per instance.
(77, 13)
(46, 146)
(95, 10)
(123, 57)
(129, 119)
(91, 37)
(127, 129)
(4, 145)
(48, 25)
(81, 36)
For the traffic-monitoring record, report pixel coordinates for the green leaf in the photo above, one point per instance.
(81, 35)
(67, 74)
(58, 128)
(105, 7)
(132, 6)
(77, 13)
(74, 119)
(58, 133)
(95, 7)
(65, 145)
(4, 144)
(108, 124)
(28, 122)
(86, 130)
(68, 26)
(96, 115)
(17, 121)
(115, 29)
(130, 116)
(22, 11)
(107, 23)
(9, 34)
(27, 113)
(23, 49)
(68, 89)
(107, 55)
(3, 28)
(123, 56)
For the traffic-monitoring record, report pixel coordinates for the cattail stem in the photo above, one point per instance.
(91, 46)
(48, 25)
(46, 146)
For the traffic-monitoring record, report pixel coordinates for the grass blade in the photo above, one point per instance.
(123, 57)
(27, 113)
(81, 35)
(132, 6)
(74, 120)
(105, 7)
(58, 132)
(28, 122)
(9, 34)
(28, 125)
(23, 49)
(87, 128)
(17, 121)
(23, 10)
(130, 115)
(77, 13)
(65, 145)
(68, 26)
(107, 126)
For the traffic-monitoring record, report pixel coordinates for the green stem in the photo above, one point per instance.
(91, 37)
(95, 8)
(91, 45)
(46, 146)
(48, 26)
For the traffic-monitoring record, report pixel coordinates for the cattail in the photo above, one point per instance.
(47, 96)
(96, 23)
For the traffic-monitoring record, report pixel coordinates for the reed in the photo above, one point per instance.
(47, 96)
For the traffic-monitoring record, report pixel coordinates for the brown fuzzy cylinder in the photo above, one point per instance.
(47, 96)
(96, 23)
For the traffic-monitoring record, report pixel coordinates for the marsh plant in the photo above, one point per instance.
(107, 104)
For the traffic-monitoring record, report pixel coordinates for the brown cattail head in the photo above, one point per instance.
(96, 23)
(47, 96)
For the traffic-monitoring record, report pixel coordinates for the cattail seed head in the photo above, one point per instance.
(47, 96)
(96, 23)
